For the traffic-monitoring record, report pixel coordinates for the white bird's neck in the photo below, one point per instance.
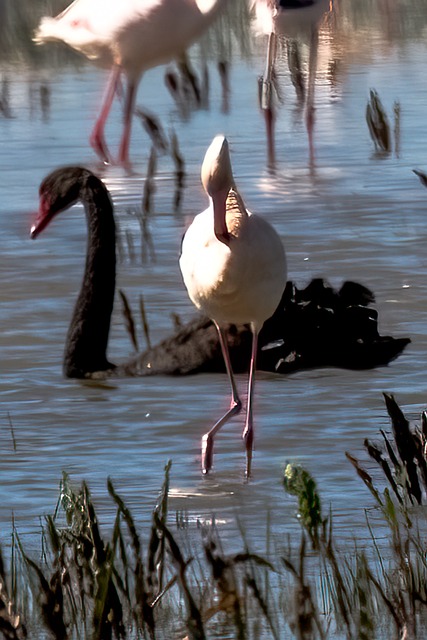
(236, 213)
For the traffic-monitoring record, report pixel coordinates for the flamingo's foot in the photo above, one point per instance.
(208, 438)
(248, 437)
(98, 144)
(207, 453)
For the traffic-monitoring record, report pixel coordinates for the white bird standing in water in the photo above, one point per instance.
(129, 36)
(234, 267)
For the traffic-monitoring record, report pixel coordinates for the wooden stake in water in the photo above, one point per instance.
(12, 433)
(378, 123)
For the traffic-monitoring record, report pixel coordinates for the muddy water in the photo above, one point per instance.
(353, 214)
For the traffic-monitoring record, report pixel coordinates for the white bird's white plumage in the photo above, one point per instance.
(242, 281)
(131, 36)
(234, 267)
(238, 283)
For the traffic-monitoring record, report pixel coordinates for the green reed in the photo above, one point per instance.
(89, 584)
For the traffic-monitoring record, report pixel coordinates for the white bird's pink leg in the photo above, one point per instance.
(235, 407)
(97, 139)
(128, 113)
(248, 432)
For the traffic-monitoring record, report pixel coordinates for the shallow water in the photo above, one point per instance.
(352, 215)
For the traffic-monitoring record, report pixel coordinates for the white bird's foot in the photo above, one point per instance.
(248, 437)
(208, 438)
(207, 453)
(98, 144)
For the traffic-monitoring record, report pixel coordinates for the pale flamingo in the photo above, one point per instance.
(128, 36)
(234, 267)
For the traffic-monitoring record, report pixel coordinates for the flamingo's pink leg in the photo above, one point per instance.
(128, 113)
(235, 408)
(97, 139)
(248, 432)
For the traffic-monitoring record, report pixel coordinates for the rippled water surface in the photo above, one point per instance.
(353, 214)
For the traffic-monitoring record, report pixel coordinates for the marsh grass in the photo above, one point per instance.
(165, 583)
(379, 125)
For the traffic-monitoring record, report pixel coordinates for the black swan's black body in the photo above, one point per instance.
(313, 327)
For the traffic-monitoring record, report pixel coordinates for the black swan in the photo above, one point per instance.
(313, 327)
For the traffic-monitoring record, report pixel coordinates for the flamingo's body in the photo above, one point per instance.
(234, 267)
(129, 36)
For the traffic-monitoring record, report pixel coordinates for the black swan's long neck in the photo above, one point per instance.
(87, 340)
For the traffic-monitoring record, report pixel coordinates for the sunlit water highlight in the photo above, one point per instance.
(353, 216)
